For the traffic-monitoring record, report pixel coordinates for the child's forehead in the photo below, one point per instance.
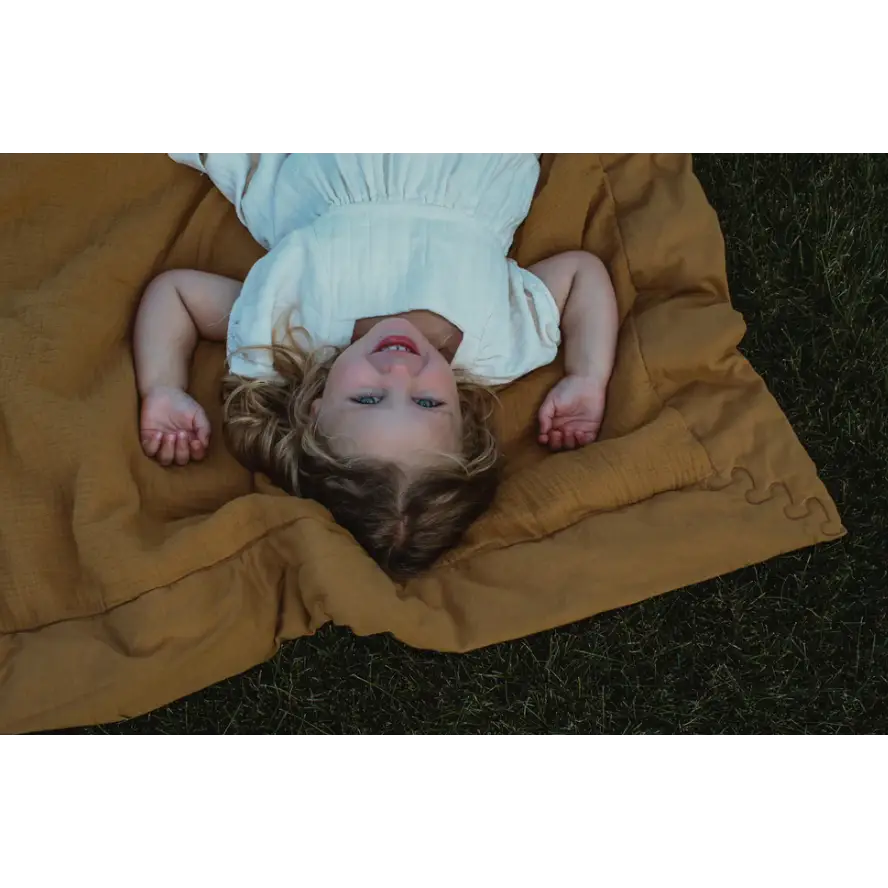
(384, 432)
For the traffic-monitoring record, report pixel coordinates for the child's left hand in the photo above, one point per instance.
(572, 412)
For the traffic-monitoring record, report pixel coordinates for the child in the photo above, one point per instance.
(362, 347)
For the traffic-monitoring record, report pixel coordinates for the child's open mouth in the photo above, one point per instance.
(398, 344)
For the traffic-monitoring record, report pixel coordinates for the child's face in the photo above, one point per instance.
(392, 395)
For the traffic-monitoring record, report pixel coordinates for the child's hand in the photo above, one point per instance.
(174, 427)
(572, 412)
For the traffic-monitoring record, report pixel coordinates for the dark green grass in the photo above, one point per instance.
(799, 644)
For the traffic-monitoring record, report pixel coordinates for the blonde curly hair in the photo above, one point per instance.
(405, 520)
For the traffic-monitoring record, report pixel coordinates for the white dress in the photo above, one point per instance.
(352, 236)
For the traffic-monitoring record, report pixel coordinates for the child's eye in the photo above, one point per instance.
(368, 400)
(429, 403)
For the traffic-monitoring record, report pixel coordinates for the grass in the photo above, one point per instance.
(799, 644)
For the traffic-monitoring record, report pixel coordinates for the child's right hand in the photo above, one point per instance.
(571, 414)
(173, 427)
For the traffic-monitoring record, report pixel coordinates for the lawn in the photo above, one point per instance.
(799, 644)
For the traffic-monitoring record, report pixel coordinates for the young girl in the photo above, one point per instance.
(362, 347)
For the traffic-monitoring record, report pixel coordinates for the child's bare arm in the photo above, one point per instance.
(572, 413)
(582, 289)
(177, 308)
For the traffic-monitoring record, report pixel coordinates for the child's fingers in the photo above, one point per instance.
(570, 441)
(547, 412)
(198, 451)
(167, 450)
(556, 439)
(202, 428)
(151, 443)
(183, 451)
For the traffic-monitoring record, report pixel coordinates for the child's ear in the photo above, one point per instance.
(315, 408)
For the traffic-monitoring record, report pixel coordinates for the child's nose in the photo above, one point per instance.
(396, 365)
(395, 369)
